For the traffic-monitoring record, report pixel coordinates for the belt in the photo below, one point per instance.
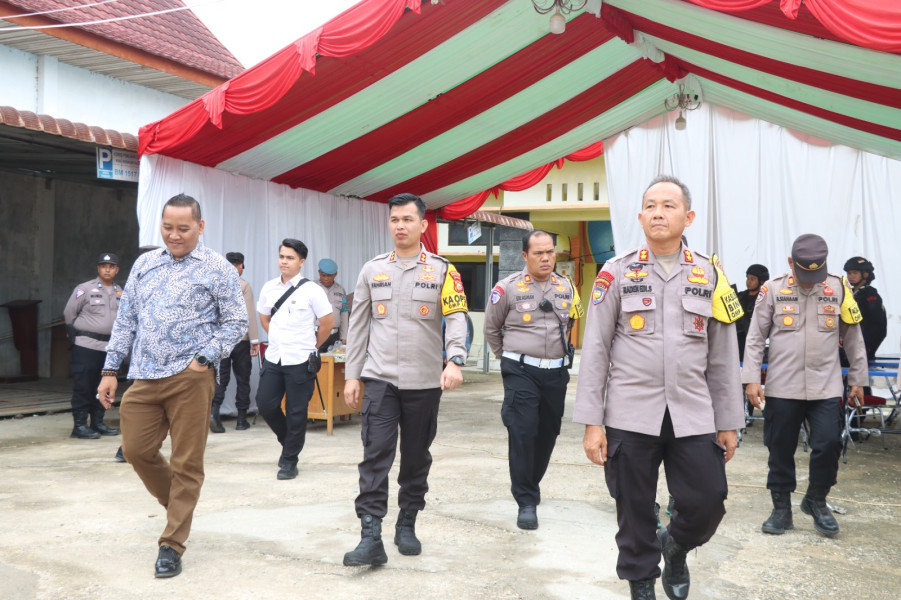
(541, 363)
(92, 335)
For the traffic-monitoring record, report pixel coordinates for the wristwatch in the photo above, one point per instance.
(202, 360)
(458, 360)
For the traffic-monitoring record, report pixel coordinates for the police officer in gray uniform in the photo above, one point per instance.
(659, 381)
(328, 269)
(806, 314)
(526, 324)
(89, 315)
(394, 346)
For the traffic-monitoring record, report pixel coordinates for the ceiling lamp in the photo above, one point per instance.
(560, 8)
(684, 101)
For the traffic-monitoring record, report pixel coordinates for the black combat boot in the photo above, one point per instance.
(99, 426)
(405, 533)
(242, 423)
(814, 504)
(370, 550)
(215, 420)
(81, 429)
(642, 589)
(675, 571)
(781, 518)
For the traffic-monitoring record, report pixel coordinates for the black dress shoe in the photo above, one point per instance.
(104, 429)
(288, 471)
(168, 564)
(528, 518)
(119, 456)
(83, 432)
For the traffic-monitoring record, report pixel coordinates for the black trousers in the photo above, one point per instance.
(385, 410)
(296, 384)
(85, 366)
(782, 426)
(534, 400)
(238, 359)
(696, 477)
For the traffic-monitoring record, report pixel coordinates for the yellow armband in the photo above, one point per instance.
(850, 310)
(726, 307)
(575, 311)
(452, 297)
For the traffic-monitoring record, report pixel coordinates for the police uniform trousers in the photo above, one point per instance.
(296, 385)
(180, 407)
(238, 359)
(696, 477)
(385, 409)
(534, 400)
(85, 366)
(782, 426)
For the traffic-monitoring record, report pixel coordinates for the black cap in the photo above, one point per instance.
(758, 271)
(107, 258)
(235, 258)
(809, 254)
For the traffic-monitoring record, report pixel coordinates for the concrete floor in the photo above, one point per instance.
(74, 524)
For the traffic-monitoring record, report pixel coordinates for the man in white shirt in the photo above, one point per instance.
(290, 362)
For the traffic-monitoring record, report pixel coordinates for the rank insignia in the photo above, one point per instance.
(697, 275)
(636, 322)
(422, 257)
(527, 317)
(643, 255)
(424, 310)
(380, 308)
(830, 322)
(791, 281)
(688, 257)
(788, 320)
(699, 323)
(527, 278)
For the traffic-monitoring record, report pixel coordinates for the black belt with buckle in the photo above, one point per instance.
(92, 335)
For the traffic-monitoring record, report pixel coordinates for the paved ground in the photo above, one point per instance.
(74, 524)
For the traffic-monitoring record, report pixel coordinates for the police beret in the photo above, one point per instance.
(328, 266)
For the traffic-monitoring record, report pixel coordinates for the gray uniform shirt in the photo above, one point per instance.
(513, 321)
(804, 327)
(651, 344)
(340, 310)
(395, 325)
(253, 331)
(92, 308)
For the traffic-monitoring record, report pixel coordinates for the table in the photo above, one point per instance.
(327, 401)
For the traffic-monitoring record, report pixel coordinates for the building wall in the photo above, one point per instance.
(51, 234)
(44, 85)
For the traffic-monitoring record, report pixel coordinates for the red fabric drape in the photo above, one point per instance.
(259, 88)
(467, 206)
(874, 24)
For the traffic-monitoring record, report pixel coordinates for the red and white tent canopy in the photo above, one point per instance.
(450, 98)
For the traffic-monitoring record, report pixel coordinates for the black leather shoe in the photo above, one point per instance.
(242, 423)
(287, 472)
(823, 520)
(119, 456)
(83, 432)
(104, 429)
(642, 589)
(528, 518)
(216, 422)
(168, 563)
(676, 580)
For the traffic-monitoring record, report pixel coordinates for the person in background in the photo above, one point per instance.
(328, 270)
(89, 315)
(238, 359)
(805, 313)
(756, 276)
(861, 274)
(180, 313)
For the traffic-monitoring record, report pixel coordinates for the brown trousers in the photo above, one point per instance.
(178, 406)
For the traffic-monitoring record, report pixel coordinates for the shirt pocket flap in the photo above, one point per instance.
(637, 302)
(697, 306)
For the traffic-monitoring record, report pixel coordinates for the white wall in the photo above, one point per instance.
(46, 86)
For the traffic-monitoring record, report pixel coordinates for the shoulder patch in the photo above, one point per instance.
(601, 285)
(79, 293)
(761, 295)
(496, 294)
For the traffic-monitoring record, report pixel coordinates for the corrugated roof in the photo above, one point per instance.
(177, 36)
(65, 128)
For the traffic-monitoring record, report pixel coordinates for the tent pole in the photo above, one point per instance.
(489, 263)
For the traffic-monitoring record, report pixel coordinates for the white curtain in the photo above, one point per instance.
(757, 186)
(252, 216)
